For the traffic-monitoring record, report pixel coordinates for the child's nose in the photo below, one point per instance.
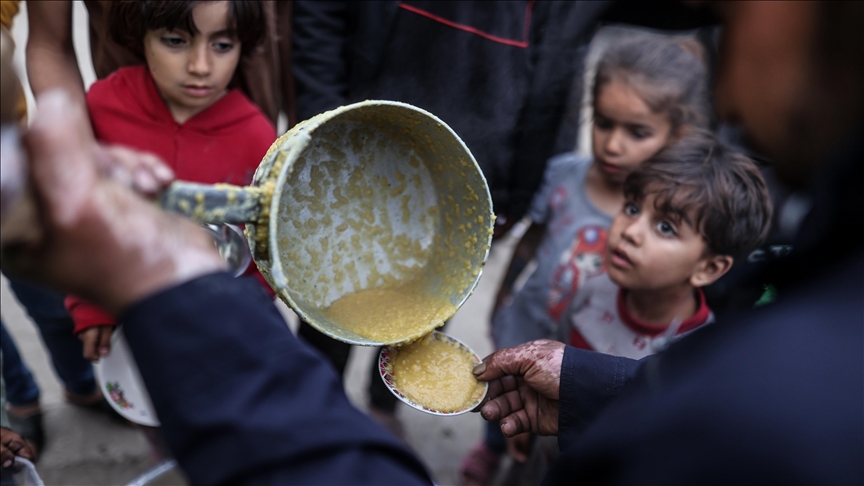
(613, 144)
(199, 61)
(634, 232)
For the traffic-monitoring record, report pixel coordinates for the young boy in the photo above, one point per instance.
(690, 212)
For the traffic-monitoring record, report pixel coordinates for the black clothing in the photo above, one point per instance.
(504, 96)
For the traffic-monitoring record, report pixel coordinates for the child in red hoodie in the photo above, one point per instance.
(179, 106)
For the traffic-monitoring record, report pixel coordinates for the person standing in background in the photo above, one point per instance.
(498, 73)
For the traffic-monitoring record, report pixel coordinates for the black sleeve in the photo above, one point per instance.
(320, 33)
(589, 382)
(241, 400)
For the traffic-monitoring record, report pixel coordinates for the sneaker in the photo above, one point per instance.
(479, 466)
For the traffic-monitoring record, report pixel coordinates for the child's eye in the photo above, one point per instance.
(223, 46)
(640, 133)
(602, 123)
(631, 209)
(173, 40)
(666, 228)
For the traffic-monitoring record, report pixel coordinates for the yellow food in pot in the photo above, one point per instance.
(389, 315)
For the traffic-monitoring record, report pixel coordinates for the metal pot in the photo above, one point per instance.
(371, 194)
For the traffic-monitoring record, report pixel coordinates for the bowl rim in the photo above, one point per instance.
(385, 356)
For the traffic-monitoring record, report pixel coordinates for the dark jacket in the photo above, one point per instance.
(243, 401)
(509, 107)
(504, 94)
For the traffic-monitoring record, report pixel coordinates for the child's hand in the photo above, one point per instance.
(97, 341)
(519, 447)
(11, 445)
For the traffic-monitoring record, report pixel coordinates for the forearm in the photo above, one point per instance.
(241, 399)
(48, 69)
(589, 382)
(51, 60)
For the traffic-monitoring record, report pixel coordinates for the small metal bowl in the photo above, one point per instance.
(386, 356)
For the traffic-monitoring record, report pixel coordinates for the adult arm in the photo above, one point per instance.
(241, 399)
(589, 382)
(51, 59)
(548, 388)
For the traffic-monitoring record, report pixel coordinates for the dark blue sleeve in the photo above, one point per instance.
(589, 381)
(241, 400)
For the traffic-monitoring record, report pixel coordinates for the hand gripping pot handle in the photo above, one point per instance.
(219, 203)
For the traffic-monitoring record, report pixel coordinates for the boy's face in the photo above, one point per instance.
(625, 132)
(193, 72)
(647, 250)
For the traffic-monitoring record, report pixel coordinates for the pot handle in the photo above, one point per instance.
(217, 203)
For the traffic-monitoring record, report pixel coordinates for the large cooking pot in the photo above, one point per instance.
(374, 195)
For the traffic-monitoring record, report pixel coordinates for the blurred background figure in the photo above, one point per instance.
(499, 73)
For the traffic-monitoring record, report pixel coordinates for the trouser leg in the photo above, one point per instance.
(21, 388)
(47, 311)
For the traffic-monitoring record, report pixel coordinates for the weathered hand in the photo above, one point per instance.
(145, 173)
(101, 240)
(523, 387)
(11, 445)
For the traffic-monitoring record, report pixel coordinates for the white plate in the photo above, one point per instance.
(122, 385)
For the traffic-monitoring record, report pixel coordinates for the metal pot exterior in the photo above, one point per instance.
(373, 194)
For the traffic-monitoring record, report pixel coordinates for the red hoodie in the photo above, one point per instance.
(223, 143)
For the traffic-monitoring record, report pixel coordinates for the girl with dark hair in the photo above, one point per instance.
(179, 105)
(649, 90)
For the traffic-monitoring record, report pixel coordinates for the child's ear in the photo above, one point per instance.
(710, 269)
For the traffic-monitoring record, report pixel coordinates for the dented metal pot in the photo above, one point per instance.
(369, 195)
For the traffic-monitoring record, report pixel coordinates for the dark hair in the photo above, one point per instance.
(716, 190)
(668, 73)
(129, 21)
